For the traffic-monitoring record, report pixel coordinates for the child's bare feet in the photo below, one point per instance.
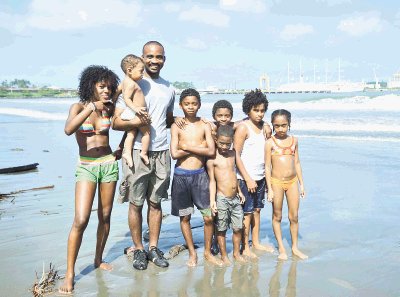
(103, 265)
(265, 248)
(249, 253)
(144, 157)
(239, 258)
(213, 260)
(127, 156)
(192, 262)
(226, 261)
(299, 254)
(68, 285)
(282, 255)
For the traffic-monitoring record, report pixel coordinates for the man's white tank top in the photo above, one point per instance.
(253, 154)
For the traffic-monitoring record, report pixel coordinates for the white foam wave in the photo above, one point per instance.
(34, 114)
(352, 138)
(40, 101)
(389, 102)
(357, 103)
(349, 126)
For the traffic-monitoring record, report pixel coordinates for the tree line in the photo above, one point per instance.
(17, 83)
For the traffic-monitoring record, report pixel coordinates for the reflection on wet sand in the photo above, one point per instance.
(275, 282)
(215, 281)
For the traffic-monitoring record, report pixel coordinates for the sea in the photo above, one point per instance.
(349, 148)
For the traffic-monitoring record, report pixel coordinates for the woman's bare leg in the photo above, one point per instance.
(105, 204)
(84, 195)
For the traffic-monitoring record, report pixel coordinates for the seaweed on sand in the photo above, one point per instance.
(45, 285)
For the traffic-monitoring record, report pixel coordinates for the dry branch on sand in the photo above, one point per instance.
(11, 194)
(45, 285)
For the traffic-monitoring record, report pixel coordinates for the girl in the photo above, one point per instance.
(283, 175)
(89, 119)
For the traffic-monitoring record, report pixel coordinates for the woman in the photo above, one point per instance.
(89, 119)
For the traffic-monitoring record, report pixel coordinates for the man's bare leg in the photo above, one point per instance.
(135, 225)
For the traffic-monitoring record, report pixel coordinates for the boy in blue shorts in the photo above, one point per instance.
(190, 185)
(249, 144)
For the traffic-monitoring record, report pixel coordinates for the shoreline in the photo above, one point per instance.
(347, 222)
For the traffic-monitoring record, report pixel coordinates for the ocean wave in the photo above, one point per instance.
(352, 138)
(348, 126)
(34, 114)
(356, 103)
(388, 102)
(41, 101)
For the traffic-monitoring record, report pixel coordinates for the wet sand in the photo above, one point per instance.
(348, 227)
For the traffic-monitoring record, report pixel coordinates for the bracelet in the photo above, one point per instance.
(92, 106)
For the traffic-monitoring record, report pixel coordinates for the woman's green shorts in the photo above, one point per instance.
(97, 170)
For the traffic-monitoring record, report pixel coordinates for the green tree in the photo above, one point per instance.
(20, 83)
(4, 84)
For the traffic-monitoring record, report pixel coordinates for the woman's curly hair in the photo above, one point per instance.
(254, 98)
(92, 75)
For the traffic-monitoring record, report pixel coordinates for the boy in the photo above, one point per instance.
(249, 143)
(222, 113)
(223, 185)
(132, 94)
(190, 185)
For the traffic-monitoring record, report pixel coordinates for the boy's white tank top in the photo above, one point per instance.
(253, 154)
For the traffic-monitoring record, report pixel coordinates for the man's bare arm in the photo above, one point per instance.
(118, 124)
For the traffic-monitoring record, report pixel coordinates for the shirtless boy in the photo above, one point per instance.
(224, 186)
(190, 185)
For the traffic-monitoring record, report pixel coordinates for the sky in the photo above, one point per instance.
(227, 43)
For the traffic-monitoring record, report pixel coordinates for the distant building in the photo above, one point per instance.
(394, 82)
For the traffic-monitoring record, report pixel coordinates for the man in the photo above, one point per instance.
(149, 182)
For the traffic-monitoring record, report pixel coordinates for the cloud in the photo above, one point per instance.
(361, 24)
(171, 7)
(56, 15)
(256, 6)
(294, 31)
(207, 16)
(335, 2)
(195, 44)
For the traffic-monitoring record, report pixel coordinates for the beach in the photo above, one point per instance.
(349, 147)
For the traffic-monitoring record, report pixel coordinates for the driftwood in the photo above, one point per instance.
(45, 285)
(19, 168)
(5, 195)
